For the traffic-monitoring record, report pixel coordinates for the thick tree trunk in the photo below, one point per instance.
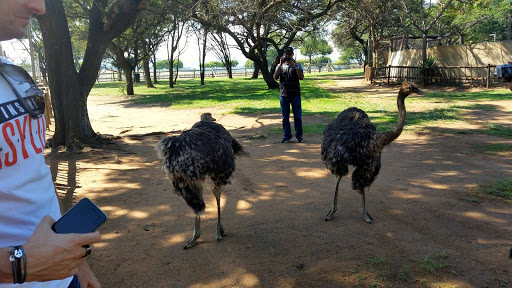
(255, 72)
(128, 71)
(147, 74)
(70, 89)
(69, 98)
(267, 75)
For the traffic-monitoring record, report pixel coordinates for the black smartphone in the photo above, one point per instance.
(287, 59)
(83, 217)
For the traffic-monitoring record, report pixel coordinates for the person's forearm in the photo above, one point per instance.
(300, 75)
(277, 73)
(5, 266)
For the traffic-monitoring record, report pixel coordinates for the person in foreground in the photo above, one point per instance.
(30, 252)
(289, 73)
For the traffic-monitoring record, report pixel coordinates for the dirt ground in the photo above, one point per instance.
(423, 203)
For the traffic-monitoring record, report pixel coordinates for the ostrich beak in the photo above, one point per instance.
(418, 91)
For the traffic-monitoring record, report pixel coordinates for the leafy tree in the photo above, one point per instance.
(249, 63)
(214, 64)
(322, 60)
(70, 88)
(314, 45)
(221, 50)
(257, 25)
(164, 64)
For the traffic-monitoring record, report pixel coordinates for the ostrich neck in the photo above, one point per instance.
(385, 138)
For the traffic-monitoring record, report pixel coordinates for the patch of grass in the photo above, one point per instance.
(256, 137)
(402, 275)
(499, 188)
(433, 263)
(496, 148)
(376, 262)
(243, 96)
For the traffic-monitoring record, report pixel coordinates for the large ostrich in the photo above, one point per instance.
(351, 139)
(207, 149)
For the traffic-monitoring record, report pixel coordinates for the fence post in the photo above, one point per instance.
(389, 72)
(488, 75)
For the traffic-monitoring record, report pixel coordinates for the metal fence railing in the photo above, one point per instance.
(482, 75)
(112, 76)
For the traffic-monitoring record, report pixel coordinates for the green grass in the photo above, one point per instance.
(433, 264)
(250, 96)
(499, 188)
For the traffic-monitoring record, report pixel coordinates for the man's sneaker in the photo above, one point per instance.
(285, 140)
(300, 140)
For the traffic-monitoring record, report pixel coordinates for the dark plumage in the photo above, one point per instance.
(206, 150)
(351, 139)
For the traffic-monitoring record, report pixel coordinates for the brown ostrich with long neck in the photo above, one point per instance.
(351, 139)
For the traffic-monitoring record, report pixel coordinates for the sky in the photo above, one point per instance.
(17, 53)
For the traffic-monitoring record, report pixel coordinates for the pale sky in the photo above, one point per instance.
(15, 51)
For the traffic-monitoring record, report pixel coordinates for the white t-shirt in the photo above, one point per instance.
(27, 193)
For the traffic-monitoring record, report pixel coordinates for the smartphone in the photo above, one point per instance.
(83, 217)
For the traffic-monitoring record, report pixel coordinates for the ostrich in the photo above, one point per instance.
(351, 139)
(206, 150)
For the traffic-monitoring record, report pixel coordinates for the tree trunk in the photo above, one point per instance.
(147, 74)
(203, 58)
(128, 71)
(69, 98)
(155, 79)
(171, 71)
(255, 72)
(70, 89)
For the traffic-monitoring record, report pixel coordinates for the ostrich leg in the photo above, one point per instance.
(330, 215)
(197, 233)
(220, 231)
(366, 216)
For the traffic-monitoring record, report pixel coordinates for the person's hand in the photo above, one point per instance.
(52, 256)
(86, 277)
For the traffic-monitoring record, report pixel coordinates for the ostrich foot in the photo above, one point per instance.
(330, 215)
(197, 233)
(367, 217)
(191, 242)
(220, 232)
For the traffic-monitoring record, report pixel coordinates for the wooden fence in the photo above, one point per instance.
(482, 75)
(112, 76)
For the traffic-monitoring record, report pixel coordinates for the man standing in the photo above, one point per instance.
(30, 252)
(289, 73)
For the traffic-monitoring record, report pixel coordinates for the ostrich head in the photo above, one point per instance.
(408, 88)
(207, 117)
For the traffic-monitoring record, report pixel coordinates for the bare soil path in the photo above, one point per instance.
(423, 203)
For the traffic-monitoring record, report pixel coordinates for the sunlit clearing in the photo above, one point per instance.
(243, 205)
(114, 212)
(448, 173)
(483, 217)
(401, 194)
(244, 208)
(426, 183)
(238, 278)
(211, 206)
(282, 158)
(100, 244)
(178, 239)
(396, 212)
(109, 236)
(311, 173)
